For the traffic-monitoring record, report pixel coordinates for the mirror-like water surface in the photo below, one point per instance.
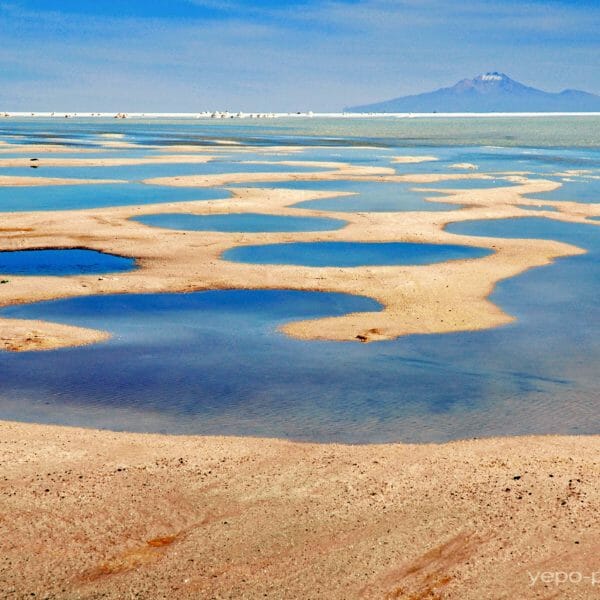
(78, 197)
(74, 261)
(351, 254)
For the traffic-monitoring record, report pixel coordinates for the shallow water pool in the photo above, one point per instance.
(351, 254)
(79, 197)
(74, 261)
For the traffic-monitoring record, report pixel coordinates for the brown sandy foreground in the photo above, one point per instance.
(91, 514)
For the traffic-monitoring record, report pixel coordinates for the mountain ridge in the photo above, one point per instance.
(488, 92)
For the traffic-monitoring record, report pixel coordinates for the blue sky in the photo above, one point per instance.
(193, 55)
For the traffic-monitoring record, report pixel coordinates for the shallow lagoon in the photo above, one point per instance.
(79, 197)
(351, 254)
(75, 261)
(213, 362)
(242, 222)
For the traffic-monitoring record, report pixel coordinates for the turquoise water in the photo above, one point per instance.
(351, 254)
(370, 196)
(243, 222)
(62, 262)
(76, 197)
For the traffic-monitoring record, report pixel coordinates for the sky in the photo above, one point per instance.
(196, 55)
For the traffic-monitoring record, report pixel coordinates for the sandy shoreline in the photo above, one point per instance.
(105, 162)
(89, 514)
(21, 181)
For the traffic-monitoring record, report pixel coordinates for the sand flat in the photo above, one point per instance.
(411, 160)
(24, 336)
(18, 181)
(438, 298)
(118, 515)
(105, 162)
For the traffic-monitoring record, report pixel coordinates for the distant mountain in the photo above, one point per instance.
(492, 92)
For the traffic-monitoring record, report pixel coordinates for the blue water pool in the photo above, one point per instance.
(351, 254)
(75, 197)
(243, 222)
(73, 261)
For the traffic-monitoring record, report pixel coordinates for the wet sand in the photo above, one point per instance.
(19, 181)
(89, 514)
(413, 159)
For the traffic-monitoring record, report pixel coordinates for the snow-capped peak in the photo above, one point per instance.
(491, 77)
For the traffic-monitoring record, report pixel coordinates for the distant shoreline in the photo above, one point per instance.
(219, 115)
